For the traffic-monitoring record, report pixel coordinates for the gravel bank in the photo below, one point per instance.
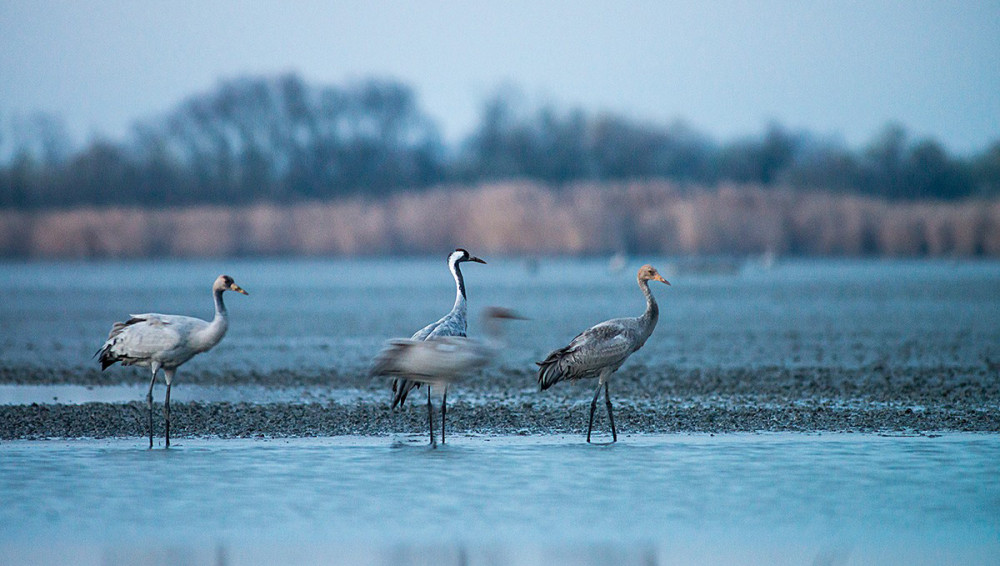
(226, 420)
(503, 402)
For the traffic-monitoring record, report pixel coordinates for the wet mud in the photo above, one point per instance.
(506, 402)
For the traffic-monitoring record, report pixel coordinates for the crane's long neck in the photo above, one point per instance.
(647, 322)
(494, 334)
(459, 287)
(220, 323)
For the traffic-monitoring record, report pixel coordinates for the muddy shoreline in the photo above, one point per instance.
(504, 402)
(242, 420)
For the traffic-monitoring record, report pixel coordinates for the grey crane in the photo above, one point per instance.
(443, 360)
(452, 324)
(601, 349)
(165, 341)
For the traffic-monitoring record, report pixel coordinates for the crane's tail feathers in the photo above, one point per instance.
(118, 327)
(390, 363)
(400, 389)
(107, 357)
(550, 370)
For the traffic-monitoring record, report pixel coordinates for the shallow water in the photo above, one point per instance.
(777, 499)
(785, 498)
(333, 315)
(126, 393)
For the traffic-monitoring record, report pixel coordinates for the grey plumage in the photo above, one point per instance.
(452, 324)
(600, 350)
(441, 361)
(164, 341)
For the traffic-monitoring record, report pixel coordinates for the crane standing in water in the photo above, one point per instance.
(452, 324)
(601, 349)
(443, 360)
(165, 341)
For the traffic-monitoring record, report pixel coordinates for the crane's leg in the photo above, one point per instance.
(169, 376)
(611, 415)
(149, 402)
(430, 417)
(166, 416)
(444, 411)
(593, 407)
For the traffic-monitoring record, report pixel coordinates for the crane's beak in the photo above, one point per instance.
(476, 259)
(238, 289)
(660, 278)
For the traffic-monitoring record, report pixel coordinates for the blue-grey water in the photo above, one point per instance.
(775, 498)
(333, 314)
(780, 499)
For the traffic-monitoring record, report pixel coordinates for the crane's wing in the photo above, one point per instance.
(432, 360)
(143, 336)
(604, 346)
(448, 325)
(451, 324)
(448, 357)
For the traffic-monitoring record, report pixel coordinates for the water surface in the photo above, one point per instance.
(793, 498)
(333, 315)
(547, 499)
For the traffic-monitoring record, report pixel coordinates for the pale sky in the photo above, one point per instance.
(727, 68)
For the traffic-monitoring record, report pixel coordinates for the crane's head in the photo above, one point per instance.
(460, 255)
(501, 313)
(493, 318)
(649, 273)
(226, 283)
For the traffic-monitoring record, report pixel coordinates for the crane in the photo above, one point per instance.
(452, 324)
(601, 349)
(441, 361)
(165, 341)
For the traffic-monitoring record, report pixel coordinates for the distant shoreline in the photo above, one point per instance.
(523, 218)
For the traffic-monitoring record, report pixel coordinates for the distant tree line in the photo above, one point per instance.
(282, 140)
(639, 218)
